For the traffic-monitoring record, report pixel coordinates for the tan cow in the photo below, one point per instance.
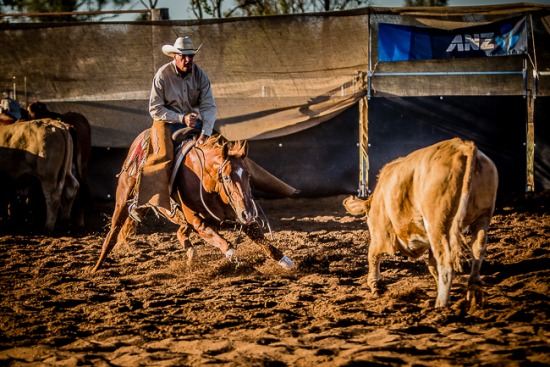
(82, 142)
(425, 202)
(43, 149)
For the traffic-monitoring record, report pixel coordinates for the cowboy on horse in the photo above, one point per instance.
(213, 184)
(180, 93)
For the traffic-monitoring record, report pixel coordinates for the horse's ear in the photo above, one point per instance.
(245, 147)
(240, 149)
(225, 151)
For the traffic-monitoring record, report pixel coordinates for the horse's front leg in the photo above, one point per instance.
(208, 234)
(255, 233)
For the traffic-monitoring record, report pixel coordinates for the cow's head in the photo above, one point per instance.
(37, 110)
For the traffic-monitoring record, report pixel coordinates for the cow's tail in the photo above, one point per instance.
(66, 163)
(456, 238)
(67, 181)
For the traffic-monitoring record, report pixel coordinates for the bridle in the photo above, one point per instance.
(260, 219)
(227, 191)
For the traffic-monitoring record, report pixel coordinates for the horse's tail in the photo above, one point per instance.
(121, 225)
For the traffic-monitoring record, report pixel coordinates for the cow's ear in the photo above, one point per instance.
(355, 206)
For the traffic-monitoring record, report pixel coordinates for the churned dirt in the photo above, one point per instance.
(147, 307)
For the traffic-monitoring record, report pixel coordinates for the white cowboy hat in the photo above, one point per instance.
(182, 46)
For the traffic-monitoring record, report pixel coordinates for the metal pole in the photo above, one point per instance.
(448, 73)
(363, 142)
(530, 144)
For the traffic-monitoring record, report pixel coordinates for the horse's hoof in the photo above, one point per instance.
(286, 263)
(191, 253)
(229, 254)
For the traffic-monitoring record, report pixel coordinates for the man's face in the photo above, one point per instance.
(184, 62)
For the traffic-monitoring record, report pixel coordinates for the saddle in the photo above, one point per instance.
(184, 134)
(182, 140)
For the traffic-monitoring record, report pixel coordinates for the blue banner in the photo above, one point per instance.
(404, 43)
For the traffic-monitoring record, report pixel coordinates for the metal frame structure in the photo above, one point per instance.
(528, 95)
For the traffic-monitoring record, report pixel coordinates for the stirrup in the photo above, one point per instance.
(173, 207)
(132, 212)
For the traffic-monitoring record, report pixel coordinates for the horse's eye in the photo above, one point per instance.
(226, 178)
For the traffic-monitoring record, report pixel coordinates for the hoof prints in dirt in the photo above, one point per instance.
(148, 307)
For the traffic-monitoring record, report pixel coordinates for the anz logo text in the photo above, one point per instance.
(482, 41)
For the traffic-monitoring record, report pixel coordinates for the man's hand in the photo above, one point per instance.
(202, 138)
(190, 119)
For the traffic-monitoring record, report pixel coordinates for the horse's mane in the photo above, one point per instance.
(217, 141)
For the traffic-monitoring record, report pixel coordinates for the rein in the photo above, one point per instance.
(202, 161)
(201, 188)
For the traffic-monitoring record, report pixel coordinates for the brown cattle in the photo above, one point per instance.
(6, 119)
(39, 110)
(82, 140)
(42, 149)
(425, 202)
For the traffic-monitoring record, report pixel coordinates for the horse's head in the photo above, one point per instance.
(230, 179)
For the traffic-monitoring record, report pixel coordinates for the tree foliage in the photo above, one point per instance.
(425, 3)
(62, 6)
(213, 8)
(200, 8)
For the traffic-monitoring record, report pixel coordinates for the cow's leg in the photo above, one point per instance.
(373, 278)
(52, 208)
(382, 240)
(256, 234)
(445, 273)
(70, 190)
(479, 247)
(432, 267)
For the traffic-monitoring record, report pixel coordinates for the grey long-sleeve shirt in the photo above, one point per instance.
(173, 96)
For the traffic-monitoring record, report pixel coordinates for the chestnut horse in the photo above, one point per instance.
(211, 186)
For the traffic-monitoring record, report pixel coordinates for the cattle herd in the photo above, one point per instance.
(423, 202)
(45, 157)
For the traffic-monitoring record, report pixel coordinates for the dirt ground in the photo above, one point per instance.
(147, 307)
